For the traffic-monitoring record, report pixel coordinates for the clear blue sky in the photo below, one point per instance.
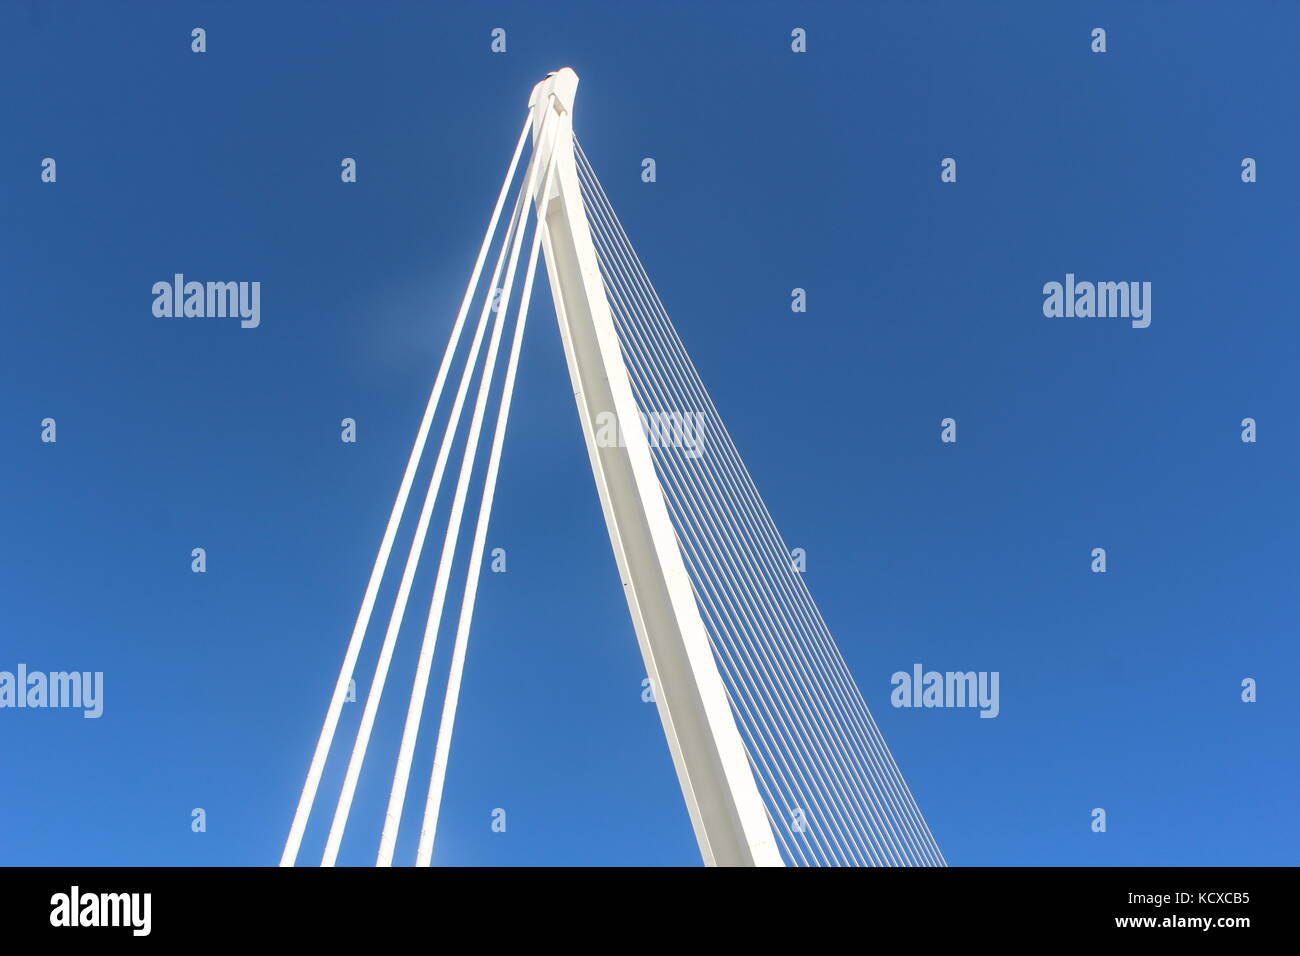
(775, 170)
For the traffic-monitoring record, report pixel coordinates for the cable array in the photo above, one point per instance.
(833, 791)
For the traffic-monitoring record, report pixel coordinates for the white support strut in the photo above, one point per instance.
(726, 810)
(419, 689)
(326, 739)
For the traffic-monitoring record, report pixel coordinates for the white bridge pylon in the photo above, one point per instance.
(776, 753)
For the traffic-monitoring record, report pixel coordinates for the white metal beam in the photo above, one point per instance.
(726, 810)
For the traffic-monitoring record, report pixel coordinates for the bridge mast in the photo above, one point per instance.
(730, 820)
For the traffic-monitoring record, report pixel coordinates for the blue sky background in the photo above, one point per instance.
(775, 170)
